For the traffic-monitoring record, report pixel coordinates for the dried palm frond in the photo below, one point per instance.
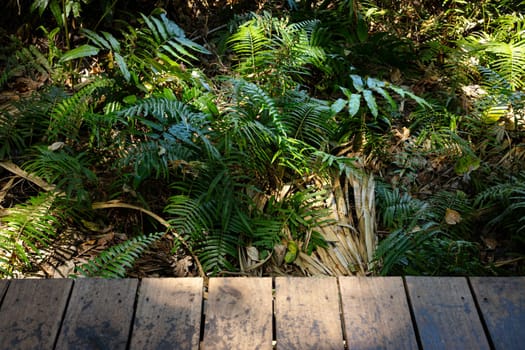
(352, 235)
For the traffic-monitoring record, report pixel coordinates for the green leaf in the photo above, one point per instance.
(371, 102)
(79, 52)
(122, 66)
(377, 86)
(357, 81)
(291, 253)
(354, 103)
(39, 5)
(362, 30)
(338, 105)
(57, 13)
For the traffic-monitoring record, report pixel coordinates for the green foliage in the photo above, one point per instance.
(365, 117)
(212, 212)
(67, 116)
(501, 48)
(24, 230)
(159, 45)
(275, 52)
(303, 214)
(238, 161)
(116, 260)
(25, 123)
(507, 200)
(69, 172)
(164, 131)
(422, 239)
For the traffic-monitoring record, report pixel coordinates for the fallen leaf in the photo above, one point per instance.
(56, 146)
(253, 253)
(452, 217)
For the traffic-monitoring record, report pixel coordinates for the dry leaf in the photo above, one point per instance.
(182, 267)
(452, 217)
(56, 146)
(253, 253)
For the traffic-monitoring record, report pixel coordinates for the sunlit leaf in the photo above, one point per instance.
(80, 52)
(371, 102)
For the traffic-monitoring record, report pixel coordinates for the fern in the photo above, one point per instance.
(308, 120)
(171, 131)
(114, 261)
(252, 47)
(399, 210)
(508, 199)
(274, 52)
(69, 172)
(68, 115)
(24, 229)
(25, 122)
(210, 211)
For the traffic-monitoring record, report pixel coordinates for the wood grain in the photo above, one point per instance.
(168, 314)
(31, 313)
(307, 313)
(99, 314)
(502, 304)
(445, 313)
(376, 313)
(238, 314)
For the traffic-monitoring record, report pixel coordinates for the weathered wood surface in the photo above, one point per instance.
(502, 304)
(445, 313)
(30, 317)
(308, 313)
(239, 314)
(99, 315)
(168, 314)
(376, 313)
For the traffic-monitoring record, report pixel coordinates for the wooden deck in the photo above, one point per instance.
(264, 313)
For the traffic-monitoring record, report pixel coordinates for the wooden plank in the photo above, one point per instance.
(31, 313)
(307, 313)
(238, 314)
(376, 313)
(502, 304)
(99, 314)
(445, 313)
(168, 314)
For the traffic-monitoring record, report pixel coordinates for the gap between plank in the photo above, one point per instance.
(135, 304)
(63, 316)
(480, 314)
(341, 314)
(412, 314)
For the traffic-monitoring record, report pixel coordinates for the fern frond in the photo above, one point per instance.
(400, 210)
(173, 132)
(189, 216)
(272, 50)
(67, 116)
(252, 46)
(25, 122)
(308, 121)
(24, 230)
(218, 251)
(114, 261)
(70, 173)
(163, 36)
(510, 61)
